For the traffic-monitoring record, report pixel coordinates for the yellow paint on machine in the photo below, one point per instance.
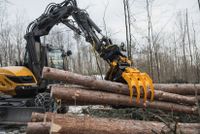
(7, 86)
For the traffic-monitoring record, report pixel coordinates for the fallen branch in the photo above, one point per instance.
(80, 96)
(114, 87)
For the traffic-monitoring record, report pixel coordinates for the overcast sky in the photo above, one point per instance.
(164, 13)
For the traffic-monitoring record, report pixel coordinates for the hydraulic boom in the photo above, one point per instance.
(79, 21)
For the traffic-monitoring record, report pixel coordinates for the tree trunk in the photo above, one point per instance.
(38, 128)
(189, 41)
(184, 53)
(90, 125)
(93, 84)
(126, 25)
(150, 41)
(196, 53)
(78, 96)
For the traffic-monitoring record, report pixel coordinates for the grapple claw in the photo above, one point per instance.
(149, 84)
(144, 85)
(134, 78)
(131, 93)
(138, 91)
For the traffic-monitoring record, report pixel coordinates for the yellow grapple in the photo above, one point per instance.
(136, 79)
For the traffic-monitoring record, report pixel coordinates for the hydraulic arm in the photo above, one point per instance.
(79, 21)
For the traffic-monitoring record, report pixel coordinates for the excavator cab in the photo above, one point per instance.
(57, 58)
(19, 81)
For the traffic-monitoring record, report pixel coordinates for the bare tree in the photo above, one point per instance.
(18, 36)
(104, 20)
(6, 45)
(128, 27)
(197, 56)
(189, 40)
(183, 30)
(79, 68)
(56, 37)
(149, 37)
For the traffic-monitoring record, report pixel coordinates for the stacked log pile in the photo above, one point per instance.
(168, 97)
(101, 92)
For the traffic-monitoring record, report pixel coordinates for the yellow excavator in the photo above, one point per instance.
(26, 80)
(21, 92)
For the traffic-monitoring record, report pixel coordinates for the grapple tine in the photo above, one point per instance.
(145, 93)
(131, 83)
(131, 91)
(132, 80)
(136, 81)
(150, 85)
(143, 81)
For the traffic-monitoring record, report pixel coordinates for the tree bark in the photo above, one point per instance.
(114, 87)
(80, 96)
(38, 128)
(90, 125)
(182, 89)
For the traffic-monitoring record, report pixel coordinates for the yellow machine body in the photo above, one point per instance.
(14, 77)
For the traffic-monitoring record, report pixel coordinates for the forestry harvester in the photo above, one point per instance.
(26, 80)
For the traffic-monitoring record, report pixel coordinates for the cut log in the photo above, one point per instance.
(114, 87)
(88, 125)
(38, 128)
(182, 89)
(89, 97)
(64, 124)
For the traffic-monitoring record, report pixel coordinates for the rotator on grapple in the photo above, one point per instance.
(121, 71)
